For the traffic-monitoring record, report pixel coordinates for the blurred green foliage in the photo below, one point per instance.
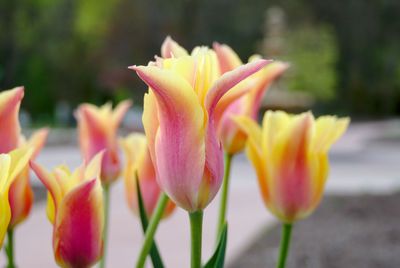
(313, 52)
(78, 50)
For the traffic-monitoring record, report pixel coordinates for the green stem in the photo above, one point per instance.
(196, 225)
(106, 216)
(224, 194)
(285, 241)
(151, 229)
(10, 248)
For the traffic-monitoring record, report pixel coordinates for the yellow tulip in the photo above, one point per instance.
(290, 156)
(11, 165)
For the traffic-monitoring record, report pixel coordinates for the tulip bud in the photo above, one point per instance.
(97, 129)
(179, 121)
(290, 156)
(75, 207)
(138, 161)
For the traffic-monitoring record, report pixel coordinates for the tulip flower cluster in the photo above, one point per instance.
(199, 107)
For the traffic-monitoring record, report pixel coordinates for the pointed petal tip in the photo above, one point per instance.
(216, 45)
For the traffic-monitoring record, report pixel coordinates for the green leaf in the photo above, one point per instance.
(154, 254)
(218, 258)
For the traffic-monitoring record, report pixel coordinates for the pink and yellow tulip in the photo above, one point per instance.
(10, 101)
(138, 160)
(11, 165)
(97, 129)
(290, 156)
(233, 139)
(179, 119)
(20, 194)
(76, 210)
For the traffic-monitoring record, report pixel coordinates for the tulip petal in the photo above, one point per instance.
(265, 77)
(180, 135)
(19, 159)
(170, 48)
(77, 240)
(234, 95)
(119, 112)
(49, 181)
(290, 156)
(273, 124)
(5, 162)
(20, 196)
(229, 80)
(37, 140)
(150, 122)
(93, 169)
(10, 101)
(251, 128)
(227, 58)
(327, 130)
(5, 217)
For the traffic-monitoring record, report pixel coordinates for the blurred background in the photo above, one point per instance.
(344, 54)
(345, 57)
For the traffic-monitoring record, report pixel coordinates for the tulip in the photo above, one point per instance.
(138, 161)
(97, 129)
(233, 139)
(20, 194)
(76, 210)
(179, 109)
(11, 165)
(10, 101)
(290, 156)
(179, 121)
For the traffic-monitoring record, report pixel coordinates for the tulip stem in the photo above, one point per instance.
(196, 225)
(224, 193)
(10, 248)
(285, 242)
(151, 229)
(106, 188)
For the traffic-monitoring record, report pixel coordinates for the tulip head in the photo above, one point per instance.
(138, 161)
(233, 138)
(20, 194)
(97, 129)
(290, 156)
(75, 208)
(11, 165)
(179, 118)
(10, 101)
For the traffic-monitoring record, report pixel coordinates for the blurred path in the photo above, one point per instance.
(365, 160)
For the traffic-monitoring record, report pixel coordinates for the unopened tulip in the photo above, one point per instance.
(97, 129)
(233, 139)
(76, 210)
(179, 121)
(138, 161)
(11, 165)
(10, 129)
(20, 194)
(290, 156)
